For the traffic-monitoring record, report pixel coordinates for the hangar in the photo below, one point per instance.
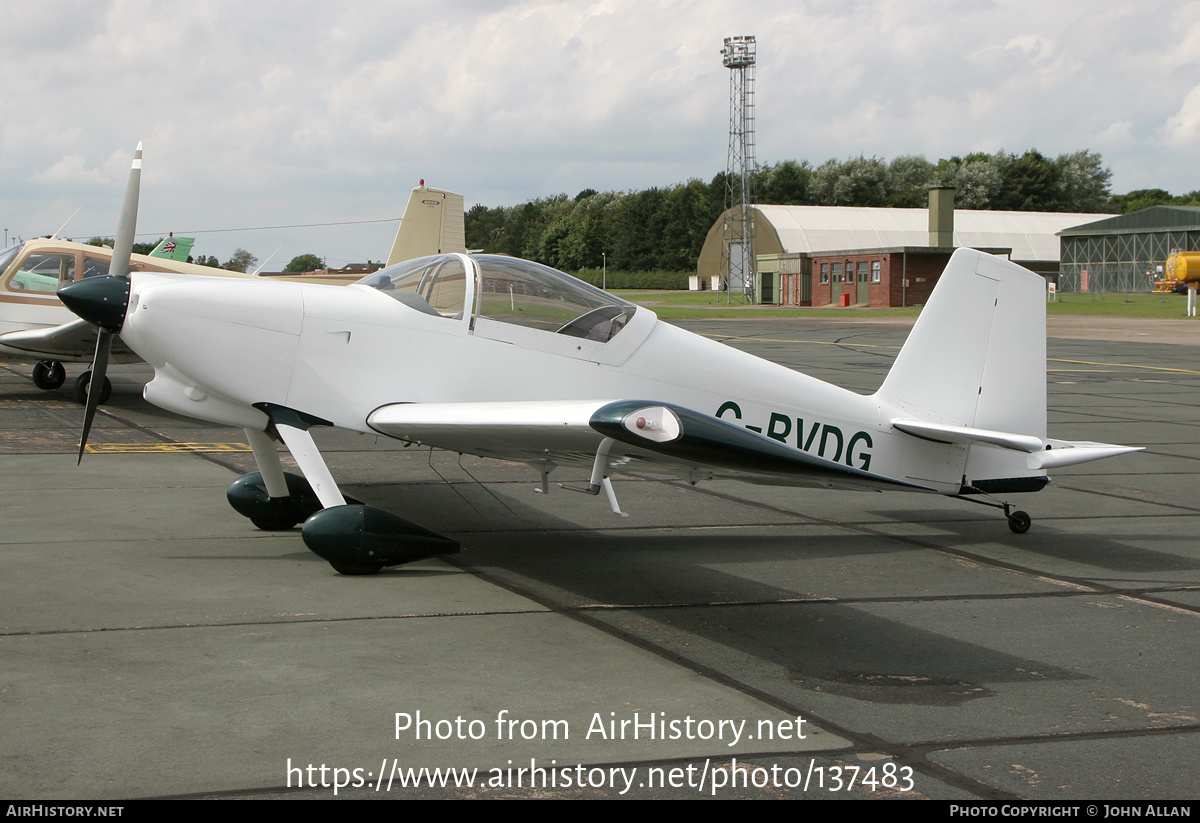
(845, 255)
(1125, 252)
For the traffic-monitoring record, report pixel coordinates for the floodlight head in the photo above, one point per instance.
(738, 52)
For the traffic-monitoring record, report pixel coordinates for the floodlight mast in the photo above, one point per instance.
(738, 246)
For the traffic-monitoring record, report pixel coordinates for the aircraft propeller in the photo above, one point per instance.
(103, 301)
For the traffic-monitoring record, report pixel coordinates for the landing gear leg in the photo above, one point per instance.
(1018, 521)
(272, 499)
(353, 538)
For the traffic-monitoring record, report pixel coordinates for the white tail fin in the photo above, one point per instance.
(977, 354)
(432, 224)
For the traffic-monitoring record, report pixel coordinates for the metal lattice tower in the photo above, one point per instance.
(738, 247)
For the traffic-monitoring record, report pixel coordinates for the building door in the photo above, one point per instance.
(864, 288)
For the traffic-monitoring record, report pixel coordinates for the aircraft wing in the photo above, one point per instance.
(660, 434)
(76, 339)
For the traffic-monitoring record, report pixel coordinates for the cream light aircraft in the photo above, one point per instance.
(505, 358)
(33, 321)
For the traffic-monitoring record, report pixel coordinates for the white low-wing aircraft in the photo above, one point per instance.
(501, 357)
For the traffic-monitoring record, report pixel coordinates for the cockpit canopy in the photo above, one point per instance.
(507, 290)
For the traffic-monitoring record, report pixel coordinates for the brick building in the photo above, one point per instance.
(822, 255)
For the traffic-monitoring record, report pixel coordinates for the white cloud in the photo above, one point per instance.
(280, 112)
(1182, 129)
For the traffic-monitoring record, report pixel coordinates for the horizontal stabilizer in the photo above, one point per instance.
(965, 435)
(1068, 453)
(1043, 454)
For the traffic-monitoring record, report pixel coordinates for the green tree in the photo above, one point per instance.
(1145, 198)
(240, 261)
(1031, 182)
(907, 181)
(784, 184)
(208, 260)
(305, 262)
(1084, 182)
(484, 227)
(859, 181)
(976, 178)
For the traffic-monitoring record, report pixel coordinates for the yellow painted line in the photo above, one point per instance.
(169, 448)
(1128, 366)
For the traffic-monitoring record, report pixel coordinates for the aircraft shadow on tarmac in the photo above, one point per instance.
(670, 587)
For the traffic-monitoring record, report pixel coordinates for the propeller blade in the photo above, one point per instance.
(127, 226)
(95, 386)
(104, 300)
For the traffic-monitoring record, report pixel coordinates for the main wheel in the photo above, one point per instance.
(274, 523)
(356, 571)
(1019, 522)
(49, 374)
(81, 388)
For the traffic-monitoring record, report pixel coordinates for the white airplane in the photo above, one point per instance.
(35, 325)
(505, 358)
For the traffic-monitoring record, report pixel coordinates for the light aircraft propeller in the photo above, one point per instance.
(103, 301)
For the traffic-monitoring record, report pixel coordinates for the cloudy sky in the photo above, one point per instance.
(282, 113)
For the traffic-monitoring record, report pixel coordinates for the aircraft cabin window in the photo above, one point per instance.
(93, 267)
(431, 285)
(43, 272)
(529, 294)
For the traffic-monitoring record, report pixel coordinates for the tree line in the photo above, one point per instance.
(665, 228)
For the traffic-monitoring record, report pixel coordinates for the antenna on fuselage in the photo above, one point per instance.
(64, 225)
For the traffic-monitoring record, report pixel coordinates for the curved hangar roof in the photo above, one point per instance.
(1032, 235)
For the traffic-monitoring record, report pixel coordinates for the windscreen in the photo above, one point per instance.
(529, 294)
(432, 285)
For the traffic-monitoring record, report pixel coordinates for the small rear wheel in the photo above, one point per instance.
(1019, 522)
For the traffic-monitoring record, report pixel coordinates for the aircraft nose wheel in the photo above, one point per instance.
(81, 388)
(1019, 522)
(49, 374)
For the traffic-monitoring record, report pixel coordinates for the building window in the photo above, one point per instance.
(837, 272)
(824, 273)
(875, 275)
(862, 272)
